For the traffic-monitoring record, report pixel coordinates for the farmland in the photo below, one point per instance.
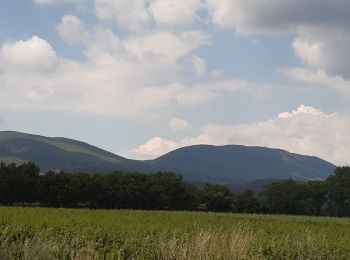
(40, 233)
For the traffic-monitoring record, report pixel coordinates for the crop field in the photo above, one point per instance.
(40, 233)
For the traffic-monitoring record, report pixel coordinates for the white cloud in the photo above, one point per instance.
(265, 16)
(34, 54)
(321, 30)
(72, 29)
(324, 51)
(178, 124)
(320, 26)
(119, 77)
(199, 65)
(319, 78)
(302, 110)
(153, 148)
(324, 48)
(139, 15)
(131, 15)
(175, 12)
(306, 130)
(167, 45)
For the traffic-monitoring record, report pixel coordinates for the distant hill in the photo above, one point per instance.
(64, 154)
(230, 164)
(241, 164)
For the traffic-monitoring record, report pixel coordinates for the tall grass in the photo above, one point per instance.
(207, 244)
(27, 233)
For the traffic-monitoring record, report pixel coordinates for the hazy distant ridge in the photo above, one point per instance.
(228, 164)
(237, 163)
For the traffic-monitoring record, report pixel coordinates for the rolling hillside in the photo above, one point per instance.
(64, 154)
(230, 164)
(240, 164)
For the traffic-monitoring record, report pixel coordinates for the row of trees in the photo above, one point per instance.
(21, 184)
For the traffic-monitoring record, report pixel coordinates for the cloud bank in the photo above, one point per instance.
(320, 29)
(127, 76)
(305, 130)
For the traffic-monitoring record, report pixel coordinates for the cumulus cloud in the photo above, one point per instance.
(324, 48)
(34, 54)
(199, 65)
(174, 12)
(153, 148)
(318, 77)
(306, 130)
(178, 124)
(324, 51)
(167, 45)
(320, 27)
(302, 110)
(72, 29)
(321, 30)
(131, 15)
(263, 16)
(104, 86)
(118, 77)
(138, 15)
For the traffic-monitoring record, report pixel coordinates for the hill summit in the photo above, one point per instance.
(238, 164)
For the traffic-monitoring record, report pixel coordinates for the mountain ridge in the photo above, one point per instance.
(240, 158)
(77, 156)
(228, 164)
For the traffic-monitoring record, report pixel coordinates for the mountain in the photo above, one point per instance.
(230, 164)
(64, 154)
(241, 164)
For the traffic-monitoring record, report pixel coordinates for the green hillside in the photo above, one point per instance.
(232, 164)
(63, 154)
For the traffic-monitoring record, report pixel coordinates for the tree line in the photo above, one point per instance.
(23, 184)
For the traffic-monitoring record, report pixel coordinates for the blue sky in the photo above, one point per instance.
(143, 77)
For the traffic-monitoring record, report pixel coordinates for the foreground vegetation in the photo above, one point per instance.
(51, 233)
(23, 185)
(39, 233)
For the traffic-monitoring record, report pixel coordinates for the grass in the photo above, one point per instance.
(39, 233)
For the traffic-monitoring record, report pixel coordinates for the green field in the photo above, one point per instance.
(38, 233)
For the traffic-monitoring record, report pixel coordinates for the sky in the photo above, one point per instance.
(143, 77)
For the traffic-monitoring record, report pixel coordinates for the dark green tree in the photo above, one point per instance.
(338, 190)
(247, 202)
(283, 197)
(18, 183)
(216, 198)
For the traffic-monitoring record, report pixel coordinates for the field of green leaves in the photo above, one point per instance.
(39, 233)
